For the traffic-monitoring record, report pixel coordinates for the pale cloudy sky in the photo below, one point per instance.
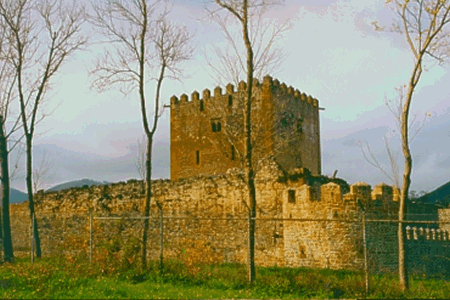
(333, 53)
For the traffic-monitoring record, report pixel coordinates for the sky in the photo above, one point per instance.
(332, 53)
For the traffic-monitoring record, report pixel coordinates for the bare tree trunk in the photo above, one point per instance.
(148, 162)
(251, 234)
(6, 225)
(148, 196)
(402, 255)
(250, 173)
(29, 180)
(172, 46)
(402, 269)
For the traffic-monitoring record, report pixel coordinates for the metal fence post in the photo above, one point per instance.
(90, 236)
(2, 250)
(161, 238)
(161, 241)
(366, 264)
(32, 239)
(249, 229)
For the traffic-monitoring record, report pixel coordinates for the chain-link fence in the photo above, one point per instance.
(362, 243)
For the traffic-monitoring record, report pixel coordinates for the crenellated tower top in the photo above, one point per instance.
(199, 123)
(268, 84)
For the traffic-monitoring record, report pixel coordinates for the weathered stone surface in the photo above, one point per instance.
(285, 124)
(332, 243)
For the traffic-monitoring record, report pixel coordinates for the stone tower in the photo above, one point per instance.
(206, 134)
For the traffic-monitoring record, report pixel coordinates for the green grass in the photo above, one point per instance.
(57, 278)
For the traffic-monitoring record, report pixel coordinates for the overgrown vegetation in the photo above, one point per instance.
(116, 273)
(312, 180)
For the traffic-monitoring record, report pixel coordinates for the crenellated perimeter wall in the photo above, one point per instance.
(327, 236)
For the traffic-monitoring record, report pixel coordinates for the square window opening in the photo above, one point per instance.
(291, 196)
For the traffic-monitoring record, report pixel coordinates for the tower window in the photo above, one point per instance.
(291, 196)
(201, 105)
(197, 154)
(232, 152)
(230, 100)
(300, 125)
(216, 126)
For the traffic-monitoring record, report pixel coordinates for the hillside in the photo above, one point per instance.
(441, 195)
(75, 183)
(16, 196)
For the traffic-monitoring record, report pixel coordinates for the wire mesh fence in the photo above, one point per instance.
(361, 244)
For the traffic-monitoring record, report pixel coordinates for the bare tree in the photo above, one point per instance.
(423, 24)
(143, 47)
(392, 171)
(43, 172)
(264, 36)
(42, 34)
(7, 129)
(257, 55)
(139, 159)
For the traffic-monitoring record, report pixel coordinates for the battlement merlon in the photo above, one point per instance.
(268, 83)
(332, 192)
(382, 193)
(195, 96)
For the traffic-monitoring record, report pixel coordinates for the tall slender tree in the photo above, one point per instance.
(5, 148)
(143, 47)
(424, 24)
(7, 97)
(42, 34)
(256, 39)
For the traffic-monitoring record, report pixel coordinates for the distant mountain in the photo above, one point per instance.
(16, 196)
(75, 183)
(441, 195)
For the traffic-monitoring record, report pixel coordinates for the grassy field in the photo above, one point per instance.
(59, 278)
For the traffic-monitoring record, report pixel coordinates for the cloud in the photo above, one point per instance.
(334, 55)
(445, 163)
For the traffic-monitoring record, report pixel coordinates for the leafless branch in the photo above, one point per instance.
(43, 34)
(139, 158)
(43, 172)
(264, 36)
(423, 24)
(145, 45)
(370, 157)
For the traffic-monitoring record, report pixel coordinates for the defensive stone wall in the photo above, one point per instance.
(299, 223)
(195, 201)
(444, 216)
(337, 241)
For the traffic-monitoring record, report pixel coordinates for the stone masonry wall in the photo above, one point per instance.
(206, 131)
(444, 216)
(335, 244)
(63, 214)
(338, 244)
